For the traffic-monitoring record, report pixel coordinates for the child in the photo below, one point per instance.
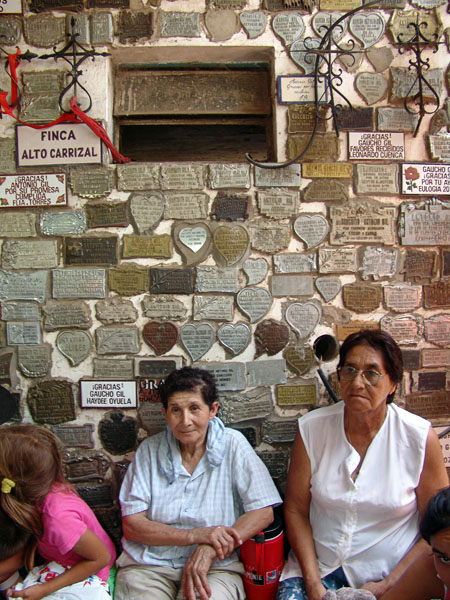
(15, 548)
(36, 496)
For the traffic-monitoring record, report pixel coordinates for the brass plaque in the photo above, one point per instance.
(147, 246)
(361, 298)
(327, 170)
(129, 280)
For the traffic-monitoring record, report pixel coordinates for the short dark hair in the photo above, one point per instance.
(13, 538)
(436, 516)
(187, 379)
(384, 343)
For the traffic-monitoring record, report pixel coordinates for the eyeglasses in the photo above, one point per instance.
(370, 377)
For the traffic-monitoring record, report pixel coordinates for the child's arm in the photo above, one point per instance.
(95, 555)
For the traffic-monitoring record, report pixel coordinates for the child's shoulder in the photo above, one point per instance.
(60, 495)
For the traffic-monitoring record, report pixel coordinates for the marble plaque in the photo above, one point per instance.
(435, 357)
(269, 238)
(63, 223)
(402, 298)
(437, 330)
(129, 280)
(10, 30)
(433, 406)
(231, 243)
(270, 337)
(302, 53)
(104, 214)
(75, 436)
(440, 147)
(424, 223)
(197, 339)
(361, 297)
(284, 177)
(51, 402)
(213, 279)
(102, 30)
(182, 176)
(146, 211)
(230, 207)
(74, 345)
(328, 286)
(291, 285)
(405, 329)
(302, 119)
(230, 175)
(193, 241)
(253, 22)
(229, 377)
(163, 307)
(365, 222)
(395, 119)
(255, 303)
(289, 27)
(356, 118)
(161, 337)
(411, 359)
(20, 311)
(58, 315)
(376, 179)
(23, 286)
(303, 395)
(337, 260)
(367, 27)
(278, 204)
(255, 269)
(90, 250)
(91, 182)
(279, 430)
(185, 205)
(109, 368)
(299, 358)
(171, 280)
(266, 372)
(371, 86)
(327, 170)
(18, 225)
(325, 190)
(294, 263)
(26, 254)
(311, 228)
(303, 317)
(179, 24)
(437, 294)
(116, 310)
(138, 176)
(400, 25)
(237, 408)
(7, 155)
(117, 340)
(324, 147)
(44, 31)
(34, 361)
(213, 308)
(118, 433)
(147, 246)
(134, 26)
(22, 333)
(234, 338)
(378, 262)
(43, 107)
(419, 264)
(405, 84)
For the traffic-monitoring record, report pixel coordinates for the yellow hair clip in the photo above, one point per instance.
(7, 485)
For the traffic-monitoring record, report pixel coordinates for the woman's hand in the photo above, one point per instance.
(316, 591)
(195, 573)
(378, 588)
(223, 539)
(34, 592)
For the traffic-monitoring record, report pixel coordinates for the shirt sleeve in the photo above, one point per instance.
(63, 529)
(135, 492)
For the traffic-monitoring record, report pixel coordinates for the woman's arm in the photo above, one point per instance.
(296, 513)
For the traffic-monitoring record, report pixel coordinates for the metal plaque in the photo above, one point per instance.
(325, 146)
(437, 330)
(163, 307)
(182, 176)
(376, 179)
(380, 58)
(22, 333)
(279, 430)
(20, 311)
(213, 308)
(419, 264)
(231, 243)
(197, 339)
(311, 228)
(74, 345)
(400, 24)
(337, 260)
(34, 361)
(90, 250)
(213, 279)
(402, 298)
(303, 394)
(405, 329)
(363, 222)
(276, 461)
(425, 179)
(138, 176)
(328, 286)
(10, 26)
(361, 297)
(158, 368)
(107, 4)
(161, 337)
(229, 175)
(425, 223)
(148, 246)
(255, 269)
(44, 30)
(431, 380)
(18, 225)
(322, 22)
(250, 433)
(291, 285)
(303, 317)
(266, 372)
(323, 190)
(299, 358)
(51, 402)
(433, 406)
(25, 254)
(192, 242)
(367, 27)
(185, 205)
(254, 302)
(396, 119)
(435, 357)
(118, 433)
(117, 340)
(134, 26)
(376, 146)
(294, 263)
(285, 177)
(105, 214)
(253, 22)
(229, 377)
(440, 147)
(23, 286)
(96, 495)
(302, 53)
(85, 466)
(234, 338)
(171, 280)
(58, 315)
(102, 30)
(179, 24)
(116, 310)
(270, 337)
(109, 368)
(405, 84)
(411, 359)
(129, 280)
(221, 25)
(7, 155)
(270, 238)
(278, 204)
(237, 408)
(289, 27)
(91, 182)
(151, 417)
(194, 238)
(437, 294)
(63, 223)
(146, 211)
(302, 118)
(75, 436)
(108, 394)
(371, 86)
(8, 406)
(378, 262)
(327, 170)
(344, 330)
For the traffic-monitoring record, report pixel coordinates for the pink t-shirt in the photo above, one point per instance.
(65, 517)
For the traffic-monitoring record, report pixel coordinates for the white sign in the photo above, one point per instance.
(8, 7)
(108, 394)
(63, 144)
(425, 178)
(376, 146)
(41, 189)
(299, 89)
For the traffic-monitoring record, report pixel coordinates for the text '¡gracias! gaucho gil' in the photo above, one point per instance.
(53, 153)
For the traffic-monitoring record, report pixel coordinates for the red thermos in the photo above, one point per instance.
(263, 558)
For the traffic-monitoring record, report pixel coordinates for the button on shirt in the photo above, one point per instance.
(229, 480)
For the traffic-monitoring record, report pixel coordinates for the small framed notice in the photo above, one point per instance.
(108, 393)
(385, 145)
(40, 189)
(425, 179)
(299, 89)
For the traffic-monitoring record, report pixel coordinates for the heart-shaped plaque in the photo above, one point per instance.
(328, 287)
(255, 269)
(160, 336)
(197, 339)
(231, 242)
(371, 86)
(289, 27)
(254, 302)
(75, 345)
(234, 338)
(351, 56)
(380, 58)
(270, 337)
(311, 228)
(299, 358)
(302, 54)
(303, 317)
(253, 22)
(146, 210)
(367, 27)
(193, 238)
(322, 21)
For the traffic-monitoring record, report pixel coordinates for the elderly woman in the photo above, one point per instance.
(193, 494)
(361, 474)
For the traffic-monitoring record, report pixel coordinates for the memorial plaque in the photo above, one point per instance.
(346, 5)
(437, 330)
(231, 243)
(185, 205)
(229, 377)
(7, 155)
(438, 121)
(405, 329)
(346, 329)
(104, 214)
(289, 27)
(302, 53)
(118, 433)
(134, 25)
(377, 146)
(380, 58)
(129, 280)
(161, 337)
(437, 294)
(63, 223)
(269, 238)
(20, 333)
(445, 262)
(284, 177)
(90, 250)
(440, 147)
(85, 466)
(311, 228)
(163, 307)
(405, 84)
(34, 361)
(325, 191)
(45, 189)
(356, 118)
(303, 395)
(378, 262)
(361, 297)
(197, 339)
(138, 176)
(23, 286)
(91, 182)
(58, 315)
(213, 279)
(192, 242)
(291, 285)
(324, 147)
(194, 238)
(213, 308)
(276, 462)
(10, 28)
(179, 24)
(74, 345)
(266, 372)
(432, 380)
(328, 287)
(51, 402)
(337, 260)
(109, 368)
(18, 225)
(151, 417)
(20, 311)
(400, 25)
(96, 495)
(234, 338)
(146, 211)
(367, 27)
(425, 223)
(38, 108)
(270, 337)
(327, 170)
(237, 408)
(26, 254)
(425, 179)
(371, 86)
(254, 23)
(171, 280)
(299, 89)
(351, 58)
(108, 4)
(402, 298)
(435, 357)
(116, 310)
(250, 433)
(147, 246)
(411, 359)
(255, 269)
(117, 340)
(230, 207)
(302, 119)
(102, 30)
(44, 31)
(182, 176)
(230, 175)
(278, 204)
(364, 222)
(108, 394)
(433, 406)
(376, 179)
(419, 264)
(323, 21)
(303, 317)
(157, 368)
(221, 25)
(396, 119)
(75, 436)
(294, 263)
(279, 430)
(255, 303)
(299, 358)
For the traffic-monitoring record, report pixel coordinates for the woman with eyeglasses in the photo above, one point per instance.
(360, 476)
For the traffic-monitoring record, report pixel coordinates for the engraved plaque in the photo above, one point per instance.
(118, 433)
(376, 179)
(342, 331)
(105, 214)
(44, 30)
(266, 372)
(371, 86)
(7, 405)
(425, 223)
(182, 176)
(86, 466)
(74, 345)
(34, 361)
(285, 177)
(192, 242)
(279, 431)
(213, 308)
(440, 147)
(75, 436)
(10, 29)
(63, 223)
(18, 225)
(26, 254)
(294, 263)
(311, 228)
(433, 380)
(19, 333)
(254, 302)
(221, 25)
(20, 311)
(197, 339)
(58, 315)
(323, 170)
(435, 357)
(432, 406)
(299, 358)
(78, 283)
(255, 269)
(328, 287)
(179, 24)
(171, 281)
(184, 205)
(445, 262)
(230, 207)
(291, 285)
(109, 368)
(7, 155)
(102, 31)
(368, 27)
(129, 280)
(96, 495)
(157, 368)
(380, 58)
(322, 21)
(237, 408)
(419, 264)
(229, 377)
(147, 246)
(161, 337)
(138, 176)
(303, 395)
(357, 118)
(289, 27)
(151, 417)
(90, 250)
(278, 204)
(379, 262)
(324, 147)
(396, 119)
(234, 338)
(336, 260)
(405, 84)
(117, 340)
(134, 25)
(405, 329)
(303, 317)
(411, 359)
(361, 297)
(254, 23)
(250, 433)
(51, 402)
(276, 462)
(230, 244)
(365, 222)
(302, 53)
(91, 182)
(430, 24)
(146, 211)
(23, 286)
(213, 279)
(232, 175)
(270, 337)
(302, 118)
(269, 238)
(163, 307)
(402, 298)
(116, 310)
(149, 391)
(323, 190)
(437, 330)
(437, 294)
